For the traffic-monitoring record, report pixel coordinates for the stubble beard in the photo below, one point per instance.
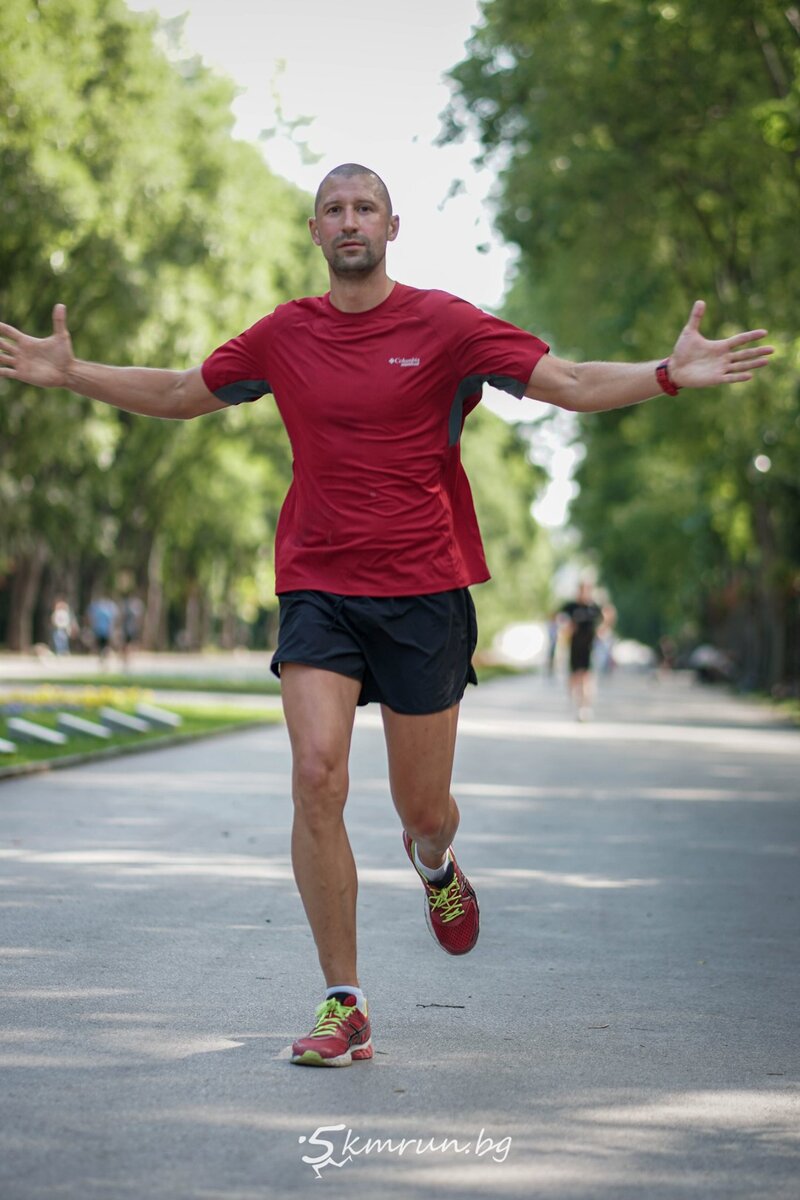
(354, 267)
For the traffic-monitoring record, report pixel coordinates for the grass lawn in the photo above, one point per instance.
(268, 686)
(166, 683)
(197, 722)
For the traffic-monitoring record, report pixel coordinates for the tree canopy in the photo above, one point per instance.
(125, 195)
(648, 154)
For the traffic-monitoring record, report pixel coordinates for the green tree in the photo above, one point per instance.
(649, 154)
(122, 195)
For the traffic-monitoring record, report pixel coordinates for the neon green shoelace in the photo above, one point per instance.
(329, 1016)
(447, 901)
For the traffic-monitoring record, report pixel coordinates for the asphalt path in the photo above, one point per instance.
(625, 1028)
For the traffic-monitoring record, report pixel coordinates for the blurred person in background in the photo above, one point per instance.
(132, 617)
(63, 626)
(605, 641)
(585, 618)
(103, 614)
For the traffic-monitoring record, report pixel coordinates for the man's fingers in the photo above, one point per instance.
(752, 335)
(60, 319)
(750, 364)
(752, 352)
(8, 330)
(696, 315)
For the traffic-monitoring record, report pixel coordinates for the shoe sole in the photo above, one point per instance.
(312, 1058)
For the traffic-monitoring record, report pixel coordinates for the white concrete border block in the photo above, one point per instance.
(70, 723)
(123, 722)
(29, 731)
(158, 716)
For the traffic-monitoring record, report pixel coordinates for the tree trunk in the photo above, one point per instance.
(25, 585)
(206, 619)
(193, 620)
(153, 627)
(771, 601)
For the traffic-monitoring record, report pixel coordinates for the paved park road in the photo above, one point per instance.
(626, 1026)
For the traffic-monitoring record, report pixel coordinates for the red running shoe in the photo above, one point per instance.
(340, 1035)
(451, 908)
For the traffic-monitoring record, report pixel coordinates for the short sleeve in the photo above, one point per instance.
(486, 348)
(237, 372)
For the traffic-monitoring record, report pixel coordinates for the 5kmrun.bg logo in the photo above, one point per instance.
(348, 1146)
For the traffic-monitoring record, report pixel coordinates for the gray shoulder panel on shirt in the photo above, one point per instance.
(243, 391)
(467, 387)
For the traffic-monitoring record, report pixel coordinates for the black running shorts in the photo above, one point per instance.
(411, 653)
(580, 653)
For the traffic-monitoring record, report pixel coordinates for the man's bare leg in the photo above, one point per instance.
(582, 690)
(420, 751)
(320, 709)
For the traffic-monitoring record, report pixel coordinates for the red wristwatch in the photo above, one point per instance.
(664, 381)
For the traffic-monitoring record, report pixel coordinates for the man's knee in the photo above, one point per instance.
(425, 820)
(320, 786)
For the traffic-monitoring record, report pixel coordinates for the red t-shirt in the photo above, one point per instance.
(374, 404)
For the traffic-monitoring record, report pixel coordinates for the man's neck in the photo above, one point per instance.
(361, 294)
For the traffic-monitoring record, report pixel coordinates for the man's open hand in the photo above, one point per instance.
(697, 361)
(44, 362)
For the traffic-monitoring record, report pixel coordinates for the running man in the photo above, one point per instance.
(585, 618)
(377, 542)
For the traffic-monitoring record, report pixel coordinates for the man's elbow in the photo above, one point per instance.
(571, 400)
(562, 386)
(191, 398)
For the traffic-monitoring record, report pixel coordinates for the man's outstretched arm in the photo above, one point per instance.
(695, 362)
(50, 362)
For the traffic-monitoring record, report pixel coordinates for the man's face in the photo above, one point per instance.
(352, 225)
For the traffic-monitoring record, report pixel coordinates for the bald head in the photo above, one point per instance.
(349, 171)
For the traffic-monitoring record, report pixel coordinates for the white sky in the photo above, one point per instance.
(371, 80)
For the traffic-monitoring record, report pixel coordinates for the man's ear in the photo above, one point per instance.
(394, 228)
(312, 228)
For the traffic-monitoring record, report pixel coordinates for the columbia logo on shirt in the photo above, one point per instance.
(403, 362)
